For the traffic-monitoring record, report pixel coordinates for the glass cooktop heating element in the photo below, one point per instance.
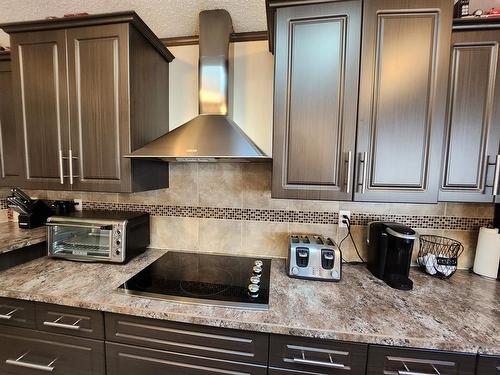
(209, 279)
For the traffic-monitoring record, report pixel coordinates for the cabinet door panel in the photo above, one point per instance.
(97, 59)
(316, 75)
(402, 98)
(10, 154)
(472, 128)
(39, 66)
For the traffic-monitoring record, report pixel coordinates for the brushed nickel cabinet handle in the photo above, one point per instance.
(71, 167)
(361, 186)
(496, 179)
(310, 362)
(403, 372)
(56, 324)
(349, 177)
(34, 366)
(9, 315)
(61, 168)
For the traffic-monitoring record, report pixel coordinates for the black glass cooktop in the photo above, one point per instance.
(211, 279)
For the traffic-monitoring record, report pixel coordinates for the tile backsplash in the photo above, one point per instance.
(227, 208)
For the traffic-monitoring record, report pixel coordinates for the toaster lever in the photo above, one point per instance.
(327, 259)
(302, 258)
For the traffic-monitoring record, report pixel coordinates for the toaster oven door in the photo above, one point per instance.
(80, 241)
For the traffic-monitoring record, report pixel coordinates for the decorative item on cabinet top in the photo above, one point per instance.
(103, 77)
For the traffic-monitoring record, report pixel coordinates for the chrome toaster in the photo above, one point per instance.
(313, 257)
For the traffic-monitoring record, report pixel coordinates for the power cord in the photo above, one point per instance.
(347, 222)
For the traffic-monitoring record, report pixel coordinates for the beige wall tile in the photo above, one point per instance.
(183, 186)
(144, 197)
(469, 240)
(174, 233)
(38, 194)
(220, 236)
(394, 208)
(220, 185)
(257, 187)
(306, 205)
(347, 247)
(470, 209)
(99, 197)
(264, 238)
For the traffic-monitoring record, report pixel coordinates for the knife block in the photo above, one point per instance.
(38, 216)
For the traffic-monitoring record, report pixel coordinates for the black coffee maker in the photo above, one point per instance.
(390, 246)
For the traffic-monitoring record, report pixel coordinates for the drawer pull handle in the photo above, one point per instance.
(401, 372)
(18, 362)
(318, 363)
(56, 324)
(304, 361)
(9, 315)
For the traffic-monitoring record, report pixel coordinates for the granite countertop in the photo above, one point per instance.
(460, 314)
(12, 237)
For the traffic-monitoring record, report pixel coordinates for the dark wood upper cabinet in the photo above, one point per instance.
(10, 165)
(473, 123)
(402, 99)
(89, 90)
(315, 99)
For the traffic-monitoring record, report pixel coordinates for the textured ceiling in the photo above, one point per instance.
(166, 18)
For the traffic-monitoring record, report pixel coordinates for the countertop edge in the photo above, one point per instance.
(267, 328)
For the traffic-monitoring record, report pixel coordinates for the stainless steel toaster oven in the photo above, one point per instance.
(99, 236)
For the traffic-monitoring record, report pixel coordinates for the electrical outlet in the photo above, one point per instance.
(341, 217)
(78, 207)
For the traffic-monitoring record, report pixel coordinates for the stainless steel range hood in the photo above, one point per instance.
(212, 135)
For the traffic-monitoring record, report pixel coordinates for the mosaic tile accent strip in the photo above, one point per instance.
(431, 222)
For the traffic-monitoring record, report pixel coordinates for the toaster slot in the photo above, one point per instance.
(302, 256)
(327, 259)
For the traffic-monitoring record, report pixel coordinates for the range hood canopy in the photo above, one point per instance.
(212, 135)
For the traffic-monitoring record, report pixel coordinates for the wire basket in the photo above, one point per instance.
(438, 256)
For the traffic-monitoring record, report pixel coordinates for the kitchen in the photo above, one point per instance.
(331, 125)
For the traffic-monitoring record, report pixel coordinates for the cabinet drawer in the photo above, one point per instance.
(318, 356)
(70, 321)
(488, 365)
(385, 360)
(130, 360)
(184, 338)
(17, 313)
(27, 352)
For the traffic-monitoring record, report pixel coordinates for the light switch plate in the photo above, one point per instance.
(343, 213)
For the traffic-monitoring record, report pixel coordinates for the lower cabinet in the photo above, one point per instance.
(488, 365)
(403, 361)
(132, 360)
(27, 352)
(290, 354)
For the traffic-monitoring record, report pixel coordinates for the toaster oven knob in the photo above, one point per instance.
(118, 242)
(258, 263)
(255, 280)
(117, 252)
(295, 271)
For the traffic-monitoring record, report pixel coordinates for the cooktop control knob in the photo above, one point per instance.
(257, 270)
(258, 263)
(295, 271)
(255, 280)
(253, 290)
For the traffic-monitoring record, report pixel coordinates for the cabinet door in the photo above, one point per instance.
(402, 105)
(99, 97)
(10, 154)
(39, 71)
(488, 365)
(315, 99)
(473, 125)
(28, 352)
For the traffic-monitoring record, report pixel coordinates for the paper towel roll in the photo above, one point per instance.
(487, 258)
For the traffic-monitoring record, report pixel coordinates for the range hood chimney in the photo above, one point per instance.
(212, 135)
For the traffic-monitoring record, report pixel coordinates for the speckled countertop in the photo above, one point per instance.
(461, 314)
(12, 237)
